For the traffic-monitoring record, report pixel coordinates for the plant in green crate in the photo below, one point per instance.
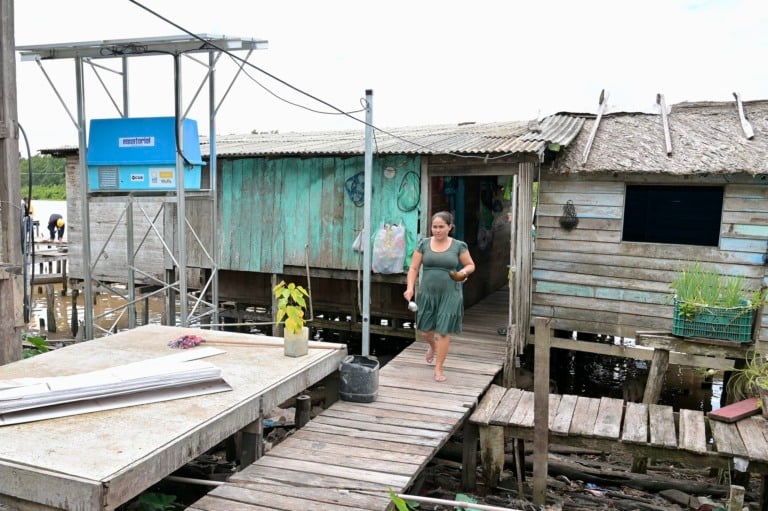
(708, 304)
(291, 304)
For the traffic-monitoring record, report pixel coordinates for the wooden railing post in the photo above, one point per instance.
(543, 336)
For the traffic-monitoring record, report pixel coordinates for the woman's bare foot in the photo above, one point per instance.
(440, 377)
(430, 355)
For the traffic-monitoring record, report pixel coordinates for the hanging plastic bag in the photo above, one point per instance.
(389, 249)
(357, 245)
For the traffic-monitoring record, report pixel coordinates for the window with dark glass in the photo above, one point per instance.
(685, 215)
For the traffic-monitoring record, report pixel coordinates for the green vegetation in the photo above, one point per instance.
(697, 287)
(38, 345)
(48, 178)
(744, 381)
(291, 305)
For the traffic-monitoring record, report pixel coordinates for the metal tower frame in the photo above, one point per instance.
(176, 46)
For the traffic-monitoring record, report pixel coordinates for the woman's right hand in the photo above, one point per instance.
(408, 294)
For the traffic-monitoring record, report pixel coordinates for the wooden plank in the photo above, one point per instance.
(521, 414)
(736, 411)
(754, 434)
(211, 503)
(311, 467)
(692, 431)
(377, 427)
(727, 439)
(364, 499)
(608, 423)
(384, 413)
(506, 407)
(409, 421)
(311, 499)
(584, 416)
(635, 429)
(338, 456)
(554, 404)
(373, 435)
(485, 409)
(443, 415)
(426, 399)
(258, 472)
(564, 415)
(662, 425)
(410, 453)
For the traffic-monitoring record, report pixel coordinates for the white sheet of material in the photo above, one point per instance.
(148, 381)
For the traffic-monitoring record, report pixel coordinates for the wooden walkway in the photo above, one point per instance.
(608, 424)
(350, 455)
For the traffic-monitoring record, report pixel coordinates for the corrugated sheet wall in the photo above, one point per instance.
(588, 280)
(275, 211)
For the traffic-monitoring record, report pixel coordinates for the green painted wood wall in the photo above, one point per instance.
(278, 211)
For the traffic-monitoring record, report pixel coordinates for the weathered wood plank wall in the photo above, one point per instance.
(272, 209)
(588, 280)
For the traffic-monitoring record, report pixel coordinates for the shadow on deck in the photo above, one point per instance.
(350, 455)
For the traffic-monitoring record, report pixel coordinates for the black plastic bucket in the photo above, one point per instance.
(359, 379)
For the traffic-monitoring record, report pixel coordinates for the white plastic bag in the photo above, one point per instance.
(357, 245)
(389, 249)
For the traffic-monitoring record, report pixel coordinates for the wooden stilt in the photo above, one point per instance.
(50, 303)
(653, 386)
(303, 408)
(469, 457)
(74, 322)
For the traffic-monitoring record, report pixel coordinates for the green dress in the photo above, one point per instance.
(440, 298)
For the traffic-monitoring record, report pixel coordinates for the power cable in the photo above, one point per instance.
(210, 44)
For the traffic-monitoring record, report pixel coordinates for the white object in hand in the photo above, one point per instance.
(412, 306)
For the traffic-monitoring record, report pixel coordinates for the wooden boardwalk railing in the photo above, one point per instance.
(350, 455)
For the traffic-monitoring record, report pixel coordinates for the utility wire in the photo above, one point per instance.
(311, 96)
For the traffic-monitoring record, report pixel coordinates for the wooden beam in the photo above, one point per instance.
(746, 127)
(541, 411)
(600, 111)
(665, 123)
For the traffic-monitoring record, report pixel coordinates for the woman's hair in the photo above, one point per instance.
(444, 216)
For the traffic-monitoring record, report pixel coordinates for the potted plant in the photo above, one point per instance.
(291, 305)
(713, 306)
(751, 380)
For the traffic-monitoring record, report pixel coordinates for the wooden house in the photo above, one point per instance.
(653, 193)
(288, 206)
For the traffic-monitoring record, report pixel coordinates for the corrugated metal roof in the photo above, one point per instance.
(470, 138)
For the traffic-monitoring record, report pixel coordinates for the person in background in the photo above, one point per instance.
(441, 297)
(56, 227)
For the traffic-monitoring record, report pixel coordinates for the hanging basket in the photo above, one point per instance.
(569, 220)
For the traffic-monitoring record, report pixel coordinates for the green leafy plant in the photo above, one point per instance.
(291, 304)
(156, 502)
(744, 381)
(696, 288)
(38, 345)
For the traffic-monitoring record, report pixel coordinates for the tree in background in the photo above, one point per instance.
(48, 178)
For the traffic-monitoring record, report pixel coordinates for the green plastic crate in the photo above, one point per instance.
(730, 324)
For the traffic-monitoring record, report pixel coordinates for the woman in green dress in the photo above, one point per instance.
(441, 299)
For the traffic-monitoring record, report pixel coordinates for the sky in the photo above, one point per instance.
(426, 61)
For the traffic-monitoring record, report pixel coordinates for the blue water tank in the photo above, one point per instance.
(139, 154)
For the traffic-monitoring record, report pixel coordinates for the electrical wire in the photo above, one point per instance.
(339, 111)
(254, 80)
(27, 229)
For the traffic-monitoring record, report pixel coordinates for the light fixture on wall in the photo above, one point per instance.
(390, 172)
(569, 220)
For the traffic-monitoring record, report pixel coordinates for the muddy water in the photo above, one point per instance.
(108, 311)
(594, 375)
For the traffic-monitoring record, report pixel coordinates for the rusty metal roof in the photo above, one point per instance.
(466, 138)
